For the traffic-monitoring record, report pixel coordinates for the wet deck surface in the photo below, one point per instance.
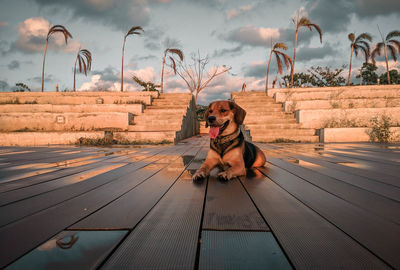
(314, 206)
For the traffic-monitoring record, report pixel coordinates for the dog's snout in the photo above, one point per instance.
(211, 119)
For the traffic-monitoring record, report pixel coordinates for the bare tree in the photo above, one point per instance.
(84, 65)
(135, 30)
(177, 52)
(54, 29)
(195, 75)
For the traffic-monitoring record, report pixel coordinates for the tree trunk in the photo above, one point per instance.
(162, 74)
(294, 59)
(122, 66)
(44, 60)
(195, 97)
(266, 80)
(76, 60)
(387, 64)
(361, 76)
(351, 58)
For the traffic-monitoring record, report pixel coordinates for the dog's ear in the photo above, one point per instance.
(206, 114)
(240, 114)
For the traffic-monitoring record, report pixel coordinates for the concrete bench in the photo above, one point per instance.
(136, 109)
(340, 94)
(272, 91)
(360, 117)
(350, 134)
(64, 121)
(290, 105)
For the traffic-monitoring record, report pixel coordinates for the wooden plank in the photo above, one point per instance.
(364, 156)
(380, 188)
(374, 233)
(310, 241)
(20, 209)
(228, 207)
(369, 201)
(375, 175)
(27, 233)
(167, 238)
(240, 250)
(126, 211)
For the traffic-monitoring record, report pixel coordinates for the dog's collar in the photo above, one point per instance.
(229, 137)
(223, 144)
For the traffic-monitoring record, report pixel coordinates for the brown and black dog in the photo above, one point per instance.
(229, 151)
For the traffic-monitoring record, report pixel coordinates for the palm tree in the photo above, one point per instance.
(80, 58)
(359, 43)
(278, 54)
(390, 44)
(135, 30)
(172, 51)
(302, 22)
(52, 30)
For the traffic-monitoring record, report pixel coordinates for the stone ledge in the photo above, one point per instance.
(348, 134)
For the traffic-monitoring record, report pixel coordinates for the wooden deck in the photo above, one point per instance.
(314, 206)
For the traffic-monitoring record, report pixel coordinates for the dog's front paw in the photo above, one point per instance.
(224, 176)
(199, 175)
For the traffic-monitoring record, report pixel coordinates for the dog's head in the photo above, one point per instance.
(223, 117)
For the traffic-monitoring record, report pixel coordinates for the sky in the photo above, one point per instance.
(229, 32)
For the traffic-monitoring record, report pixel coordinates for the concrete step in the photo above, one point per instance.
(64, 121)
(154, 127)
(267, 117)
(258, 105)
(158, 122)
(152, 111)
(248, 93)
(167, 107)
(270, 121)
(81, 108)
(154, 136)
(152, 117)
(286, 132)
(271, 126)
(278, 138)
(264, 111)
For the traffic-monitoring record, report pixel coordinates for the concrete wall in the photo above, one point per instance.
(45, 138)
(64, 121)
(190, 124)
(136, 109)
(350, 134)
(361, 116)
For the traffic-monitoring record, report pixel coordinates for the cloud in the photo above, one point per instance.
(32, 35)
(228, 51)
(232, 13)
(307, 53)
(372, 8)
(3, 24)
(110, 79)
(47, 78)
(119, 14)
(254, 36)
(13, 65)
(4, 86)
(258, 69)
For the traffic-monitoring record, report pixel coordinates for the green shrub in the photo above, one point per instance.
(380, 130)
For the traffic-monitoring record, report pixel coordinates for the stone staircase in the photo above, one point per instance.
(61, 118)
(267, 121)
(170, 117)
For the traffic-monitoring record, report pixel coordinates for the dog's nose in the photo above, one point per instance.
(211, 119)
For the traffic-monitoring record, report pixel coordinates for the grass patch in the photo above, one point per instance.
(283, 140)
(380, 130)
(109, 141)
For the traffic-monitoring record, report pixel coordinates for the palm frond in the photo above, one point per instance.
(395, 43)
(364, 36)
(351, 37)
(173, 64)
(366, 53)
(392, 51)
(279, 62)
(280, 46)
(135, 30)
(318, 30)
(80, 63)
(286, 58)
(177, 52)
(393, 34)
(60, 29)
(304, 21)
(84, 66)
(274, 81)
(364, 44)
(376, 51)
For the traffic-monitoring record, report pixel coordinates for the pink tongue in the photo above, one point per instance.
(214, 131)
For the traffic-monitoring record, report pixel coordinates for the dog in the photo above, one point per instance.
(228, 149)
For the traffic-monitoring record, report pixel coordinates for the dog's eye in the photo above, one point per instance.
(210, 111)
(223, 110)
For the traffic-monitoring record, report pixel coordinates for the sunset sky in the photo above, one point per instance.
(232, 33)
